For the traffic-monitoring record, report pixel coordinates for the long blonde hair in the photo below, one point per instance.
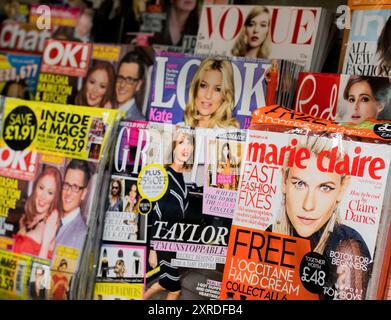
(241, 44)
(283, 225)
(222, 117)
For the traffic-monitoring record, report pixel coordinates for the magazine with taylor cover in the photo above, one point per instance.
(308, 214)
(153, 169)
(186, 245)
(268, 32)
(52, 158)
(343, 98)
(184, 88)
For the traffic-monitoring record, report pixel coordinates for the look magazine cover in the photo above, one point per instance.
(210, 92)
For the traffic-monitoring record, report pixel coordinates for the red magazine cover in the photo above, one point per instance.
(343, 98)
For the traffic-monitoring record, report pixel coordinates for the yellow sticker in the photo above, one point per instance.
(67, 131)
(115, 291)
(152, 182)
(14, 273)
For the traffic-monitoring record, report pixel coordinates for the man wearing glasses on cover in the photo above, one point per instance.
(74, 190)
(128, 82)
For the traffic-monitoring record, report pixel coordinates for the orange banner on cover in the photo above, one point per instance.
(263, 265)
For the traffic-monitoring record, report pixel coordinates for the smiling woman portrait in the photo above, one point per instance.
(40, 221)
(98, 87)
(212, 96)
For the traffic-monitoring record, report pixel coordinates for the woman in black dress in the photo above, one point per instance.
(170, 208)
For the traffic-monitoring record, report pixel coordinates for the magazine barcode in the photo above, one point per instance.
(19, 279)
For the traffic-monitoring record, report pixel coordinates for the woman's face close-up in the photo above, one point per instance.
(183, 149)
(362, 103)
(97, 85)
(185, 5)
(209, 93)
(46, 189)
(311, 196)
(257, 30)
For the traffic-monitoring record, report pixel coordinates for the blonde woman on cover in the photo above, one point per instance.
(212, 96)
(171, 208)
(254, 39)
(310, 210)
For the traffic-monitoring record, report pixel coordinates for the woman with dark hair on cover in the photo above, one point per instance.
(171, 208)
(98, 87)
(367, 97)
(182, 19)
(384, 45)
(40, 221)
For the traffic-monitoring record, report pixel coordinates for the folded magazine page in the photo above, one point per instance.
(343, 98)
(51, 162)
(267, 32)
(307, 215)
(185, 89)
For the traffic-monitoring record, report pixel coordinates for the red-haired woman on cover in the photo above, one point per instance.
(98, 87)
(39, 223)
